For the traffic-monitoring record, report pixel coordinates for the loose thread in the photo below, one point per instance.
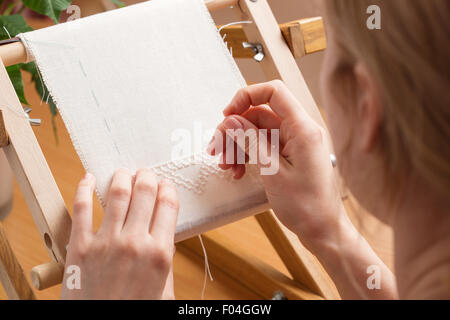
(234, 23)
(231, 24)
(207, 270)
(42, 84)
(7, 32)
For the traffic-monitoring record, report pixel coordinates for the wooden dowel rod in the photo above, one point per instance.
(47, 275)
(13, 53)
(304, 37)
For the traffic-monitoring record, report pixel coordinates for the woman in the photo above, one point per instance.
(388, 110)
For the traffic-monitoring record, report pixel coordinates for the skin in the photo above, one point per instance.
(135, 241)
(130, 256)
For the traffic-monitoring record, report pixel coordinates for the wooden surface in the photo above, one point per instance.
(302, 265)
(220, 4)
(248, 268)
(305, 36)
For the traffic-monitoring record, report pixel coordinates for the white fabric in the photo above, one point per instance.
(124, 81)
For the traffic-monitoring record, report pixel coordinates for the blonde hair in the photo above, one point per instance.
(410, 61)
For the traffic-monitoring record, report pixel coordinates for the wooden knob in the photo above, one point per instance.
(47, 275)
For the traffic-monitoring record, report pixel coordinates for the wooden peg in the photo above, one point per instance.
(47, 275)
(305, 36)
(13, 53)
(4, 139)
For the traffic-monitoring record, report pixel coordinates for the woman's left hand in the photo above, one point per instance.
(130, 256)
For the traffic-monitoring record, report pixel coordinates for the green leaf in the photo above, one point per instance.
(15, 24)
(16, 79)
(118, 3)
(50, 8)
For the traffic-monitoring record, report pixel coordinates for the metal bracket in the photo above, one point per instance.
(279, 295)
(33, 122)
(257, 49)
(4, 138)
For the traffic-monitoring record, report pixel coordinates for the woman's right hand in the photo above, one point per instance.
(303, 192)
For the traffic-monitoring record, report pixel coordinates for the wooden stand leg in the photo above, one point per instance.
(302, 265)
(11, 273)
(258, 276)
(33, 174)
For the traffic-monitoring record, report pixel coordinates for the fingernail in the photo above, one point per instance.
(88, 176)
(232, 123)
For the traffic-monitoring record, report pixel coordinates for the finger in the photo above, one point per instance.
(165, 214)
(225, 164)
(261, 116)
(215, 146)
(142, 202)
(82, 209)
(231, 130)
(238, 171)
(235, 127)
(231, 154)
(258, 148)
(273, 93)
(118, 202)
(241, 141)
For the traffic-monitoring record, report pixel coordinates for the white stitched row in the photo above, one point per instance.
(208, 167)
